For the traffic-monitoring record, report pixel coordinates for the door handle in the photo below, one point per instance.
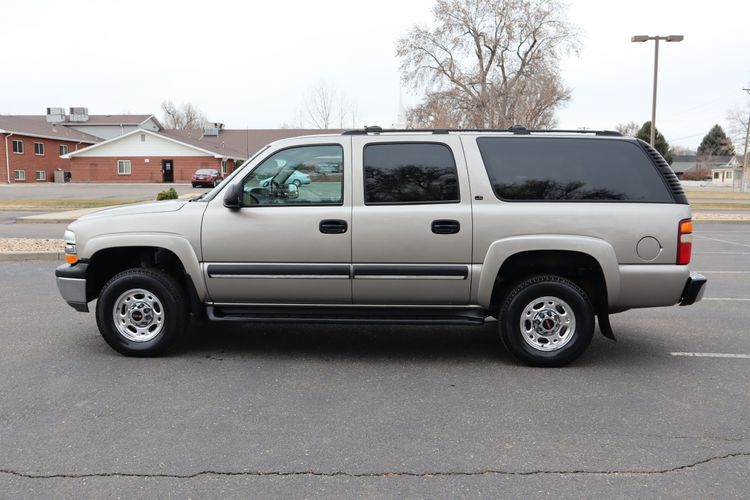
(333, 226)
(445, 226)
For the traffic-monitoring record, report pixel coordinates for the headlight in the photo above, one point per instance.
(71, 255)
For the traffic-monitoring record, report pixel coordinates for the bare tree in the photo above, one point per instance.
(186, 116)
(489, 63)
(629, 129)
(679, 150)
(324, 106)
(738, 122)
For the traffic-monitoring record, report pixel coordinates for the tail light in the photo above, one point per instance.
(684, 242)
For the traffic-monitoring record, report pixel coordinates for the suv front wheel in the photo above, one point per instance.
(546, 321)
(141, 312)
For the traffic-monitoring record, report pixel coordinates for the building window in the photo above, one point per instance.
(63, 149)
(19, 175)
(41, 175)
(729, 175)
(223, 167)
(18, 147)
(39, 148)
(716, 175)
(123, 167)
(143, 137)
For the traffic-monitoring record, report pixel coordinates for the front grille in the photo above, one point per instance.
(666, 172)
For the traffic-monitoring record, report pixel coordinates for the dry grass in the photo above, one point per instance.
(62, 204)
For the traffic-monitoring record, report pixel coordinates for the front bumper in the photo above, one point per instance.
(71, 281)
(694, 289)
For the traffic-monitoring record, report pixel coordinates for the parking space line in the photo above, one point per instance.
(721, 253)
(711, 355)
(727, 299)
(722, 241)
(724, 272)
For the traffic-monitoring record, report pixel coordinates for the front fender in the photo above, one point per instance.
(178, 245)
(499, 251)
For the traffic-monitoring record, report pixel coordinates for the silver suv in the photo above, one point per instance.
(543, 230)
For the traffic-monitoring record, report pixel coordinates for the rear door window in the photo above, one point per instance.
(402, 173)
(571, 169)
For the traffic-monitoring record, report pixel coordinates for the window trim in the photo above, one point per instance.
(40, 148)
(67, 149)
(20, 142)
(130, 167)
(625, 141)
(391, 203)
(43, 178)
(23, 175)
(224, 167)
(295, 146)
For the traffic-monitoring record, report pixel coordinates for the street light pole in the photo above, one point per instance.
(743, 186)
(644, 38)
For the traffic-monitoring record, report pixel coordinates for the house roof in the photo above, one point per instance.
(37, 126)
(238, 144)
(112, 120)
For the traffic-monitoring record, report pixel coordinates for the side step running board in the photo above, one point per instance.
(347, 315)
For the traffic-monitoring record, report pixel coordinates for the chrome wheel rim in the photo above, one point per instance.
(548, 324)
(138, 315)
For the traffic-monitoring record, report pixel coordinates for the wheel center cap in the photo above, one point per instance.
(141, 314)
(546, 322)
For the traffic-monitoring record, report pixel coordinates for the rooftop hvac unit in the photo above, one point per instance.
(79, 114)
(55, 115)
(211, 131)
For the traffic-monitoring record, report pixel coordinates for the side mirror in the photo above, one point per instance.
(292, 191)
(233, 196)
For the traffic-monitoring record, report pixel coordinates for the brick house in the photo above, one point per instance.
(143, 155)
(32, 147)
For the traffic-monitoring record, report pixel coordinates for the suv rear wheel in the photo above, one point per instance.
(140, 312)
(546, 321)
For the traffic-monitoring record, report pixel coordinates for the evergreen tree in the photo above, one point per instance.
(716, 143)
(662, 146)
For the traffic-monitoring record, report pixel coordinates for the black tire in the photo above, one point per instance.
(529, 342)
(195, 185)
(297, 182)
(171, 304)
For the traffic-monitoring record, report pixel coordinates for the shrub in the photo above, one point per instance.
(167, 194)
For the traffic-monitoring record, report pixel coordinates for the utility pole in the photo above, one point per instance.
(743, 187)
(644, 38)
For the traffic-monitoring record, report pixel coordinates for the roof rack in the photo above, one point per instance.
(515, 129)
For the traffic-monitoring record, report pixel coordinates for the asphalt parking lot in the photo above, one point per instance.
(380, 412)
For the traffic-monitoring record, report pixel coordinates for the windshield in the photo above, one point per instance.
(212, 194)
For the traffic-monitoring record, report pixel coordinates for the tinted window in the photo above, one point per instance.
(292, 177)
(567, 169)
(410, 173)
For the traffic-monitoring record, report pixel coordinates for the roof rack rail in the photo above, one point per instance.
(515, 129)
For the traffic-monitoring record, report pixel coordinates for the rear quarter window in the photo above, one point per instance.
(571, 169)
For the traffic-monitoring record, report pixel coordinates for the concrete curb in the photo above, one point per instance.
(47, 220)
(21, 256)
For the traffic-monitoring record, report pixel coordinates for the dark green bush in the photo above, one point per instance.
(168, 194)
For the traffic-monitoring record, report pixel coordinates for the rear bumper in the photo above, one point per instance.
(694, 289)
(71, 281)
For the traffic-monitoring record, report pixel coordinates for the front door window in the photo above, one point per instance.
(305, 175)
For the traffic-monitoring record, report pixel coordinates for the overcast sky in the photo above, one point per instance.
(249, 64)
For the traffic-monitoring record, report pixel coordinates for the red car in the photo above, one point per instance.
(206, 177)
